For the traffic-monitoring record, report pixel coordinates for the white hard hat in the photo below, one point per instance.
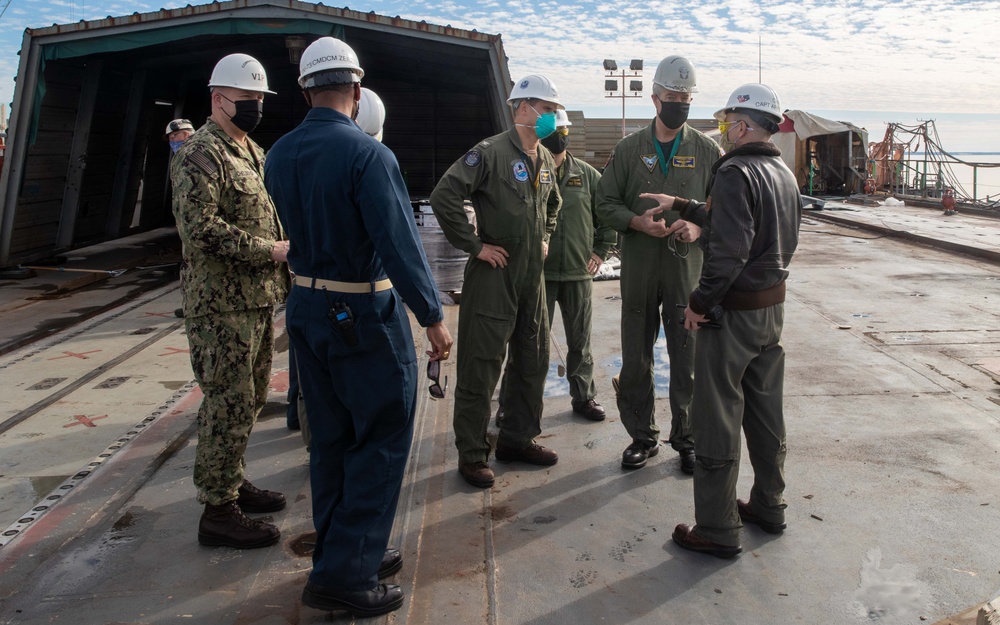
(328, 61)
(676, 74)
(535, 87)
(179, 124)
(240, 71)
(562, 119)
(753, 97)
(371, 113)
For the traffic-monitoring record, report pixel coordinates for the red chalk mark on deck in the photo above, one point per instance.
(68, 509)
(81, 355)
(174, 350)
(279, 382)
(85, 420)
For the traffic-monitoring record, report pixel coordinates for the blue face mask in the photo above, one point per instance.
(174, 145)
(545, 125)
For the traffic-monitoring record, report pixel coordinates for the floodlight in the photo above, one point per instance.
(635, 85)
(635, 65)
(611, 85)
(610, 65)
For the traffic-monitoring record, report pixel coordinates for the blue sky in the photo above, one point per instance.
(867, 62)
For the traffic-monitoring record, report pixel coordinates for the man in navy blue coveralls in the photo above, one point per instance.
(342, 198)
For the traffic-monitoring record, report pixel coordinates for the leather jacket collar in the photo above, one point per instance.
(757, 148)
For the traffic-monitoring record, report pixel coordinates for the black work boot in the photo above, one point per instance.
(227, 526)
(256, 500)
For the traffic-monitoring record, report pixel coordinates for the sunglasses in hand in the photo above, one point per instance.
(434, 375)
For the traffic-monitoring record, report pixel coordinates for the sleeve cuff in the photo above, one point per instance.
(696, 306)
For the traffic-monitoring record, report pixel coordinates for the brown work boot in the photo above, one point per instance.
(532, 454)
(256, 500)
(227, 526)
(590, 409)
(479, 474)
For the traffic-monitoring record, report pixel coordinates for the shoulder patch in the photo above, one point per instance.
(202, 162)
(649, 160)
(472, 158)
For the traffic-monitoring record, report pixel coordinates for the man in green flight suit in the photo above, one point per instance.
(510, 180)
(577, 250)
(233, 275)
(660, 265)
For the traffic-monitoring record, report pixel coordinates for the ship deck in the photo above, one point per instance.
(892, 407)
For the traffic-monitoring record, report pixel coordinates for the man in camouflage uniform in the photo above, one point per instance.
(510, 180)
(659, 264)
(233, 275)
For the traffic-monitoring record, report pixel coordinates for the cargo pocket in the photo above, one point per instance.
(489, 335)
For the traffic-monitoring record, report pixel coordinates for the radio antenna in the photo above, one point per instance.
(759, 70)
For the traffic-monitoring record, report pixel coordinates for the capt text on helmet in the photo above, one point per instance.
(660, 265)
(356, 257)
(232, 276)
(510, 179)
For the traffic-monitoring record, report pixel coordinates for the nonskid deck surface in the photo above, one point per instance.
(892, 470)
(70, 402)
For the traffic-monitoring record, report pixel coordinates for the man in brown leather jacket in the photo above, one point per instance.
(750, 231)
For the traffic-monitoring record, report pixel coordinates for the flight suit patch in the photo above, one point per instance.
(687, 162)
(472, 158)
(649, 160)
(544, 176)
(520, 171)
(575, 181)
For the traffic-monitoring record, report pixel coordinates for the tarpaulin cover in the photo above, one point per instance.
(797, 128)
(808, 125)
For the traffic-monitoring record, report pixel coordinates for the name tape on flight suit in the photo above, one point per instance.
(687, 162)
(545, 177)
(575, 181)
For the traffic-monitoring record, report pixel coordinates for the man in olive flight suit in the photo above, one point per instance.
(510, 180)
(660, 266)
(233, 275)
(577, 250)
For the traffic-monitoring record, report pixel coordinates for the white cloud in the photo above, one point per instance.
(922, 56)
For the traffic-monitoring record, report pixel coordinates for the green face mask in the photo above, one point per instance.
(545, 125)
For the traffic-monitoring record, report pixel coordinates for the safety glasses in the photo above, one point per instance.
(563, 131)
(725, 126)
(434, 375)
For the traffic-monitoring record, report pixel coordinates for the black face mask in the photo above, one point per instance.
(556, 143)
(248, 114)
(674, 114)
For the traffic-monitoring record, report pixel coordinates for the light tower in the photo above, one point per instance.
(614, 75)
